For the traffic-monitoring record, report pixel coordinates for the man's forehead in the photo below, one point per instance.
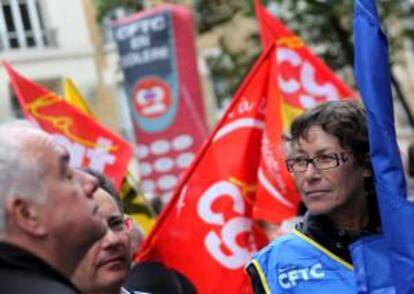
(41, 143)
(61, 151)
(32, 139)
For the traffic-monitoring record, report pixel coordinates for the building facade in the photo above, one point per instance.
(46, 41)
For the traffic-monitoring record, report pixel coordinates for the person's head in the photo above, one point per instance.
(104, 268)
(46, 206)
(329, 156)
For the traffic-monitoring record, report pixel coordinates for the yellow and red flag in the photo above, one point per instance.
(74, 97)
(207, 232)
(89, 144)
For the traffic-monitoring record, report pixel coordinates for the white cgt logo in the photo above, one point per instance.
(307, 79)
(151, 100)
(230, 229)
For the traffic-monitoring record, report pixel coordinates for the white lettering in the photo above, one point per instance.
(145, 56)
(229, 233)
(289, 279)
(316, 271)
(99, 157)
(290, 56)
(139, 42)
(76, 151)
(231, 229)
(308, 79)
(284, 281)
(245, 106)
(218, 190)
(304, 274)
(144, 26)
(308, 82)
(293, 277)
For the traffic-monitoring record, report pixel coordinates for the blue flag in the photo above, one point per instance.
(371, 266)
(373, 78)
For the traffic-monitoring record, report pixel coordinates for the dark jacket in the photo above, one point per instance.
(321, 230)
(22, 272)
(154, 277)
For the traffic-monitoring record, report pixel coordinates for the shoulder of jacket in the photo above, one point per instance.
(288, 245)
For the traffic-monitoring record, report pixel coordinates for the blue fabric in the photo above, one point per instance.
(371, 266)
(292, 265)
(373, 79)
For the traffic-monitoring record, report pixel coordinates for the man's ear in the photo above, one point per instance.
(24, 215)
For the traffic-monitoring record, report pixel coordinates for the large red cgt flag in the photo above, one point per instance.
(206, 232)
(89, 144)
(303, 81)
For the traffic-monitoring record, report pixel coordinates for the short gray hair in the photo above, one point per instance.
(20, 173)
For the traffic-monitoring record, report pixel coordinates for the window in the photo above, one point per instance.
(22, 25)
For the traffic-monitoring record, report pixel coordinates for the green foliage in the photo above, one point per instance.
(211, 13)
(327, 26)
(103, 7)
(229, 68)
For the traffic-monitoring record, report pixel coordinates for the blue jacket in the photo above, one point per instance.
(296, 264)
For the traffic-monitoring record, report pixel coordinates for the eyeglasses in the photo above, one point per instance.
(116, 223)
(320, 162)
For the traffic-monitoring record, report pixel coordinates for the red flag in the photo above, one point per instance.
(303, 80)
(277, 197)
(206, 232)
(89, 144)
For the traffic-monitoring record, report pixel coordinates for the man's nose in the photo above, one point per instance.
(112, 239)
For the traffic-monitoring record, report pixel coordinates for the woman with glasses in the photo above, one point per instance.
(329, 160)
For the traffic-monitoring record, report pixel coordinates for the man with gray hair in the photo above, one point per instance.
(48, 218)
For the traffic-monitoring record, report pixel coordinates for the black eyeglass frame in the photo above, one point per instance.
(339, 157)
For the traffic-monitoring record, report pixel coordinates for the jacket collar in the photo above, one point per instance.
(14, 257)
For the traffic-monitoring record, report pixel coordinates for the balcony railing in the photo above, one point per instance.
(30, 40)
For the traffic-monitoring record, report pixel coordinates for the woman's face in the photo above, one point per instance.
(330, 190)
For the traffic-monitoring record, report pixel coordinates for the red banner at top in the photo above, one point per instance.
(89, 144)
